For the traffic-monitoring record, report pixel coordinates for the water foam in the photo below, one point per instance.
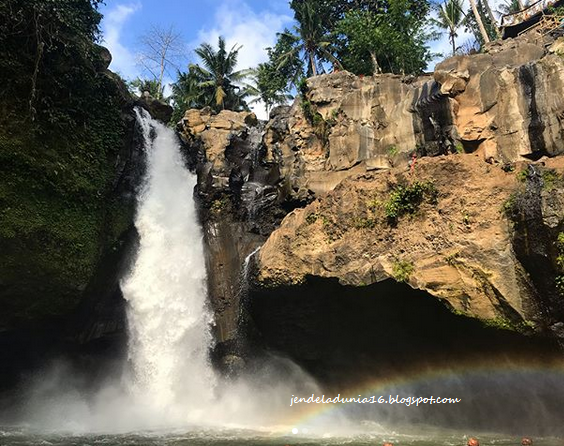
(168, 318)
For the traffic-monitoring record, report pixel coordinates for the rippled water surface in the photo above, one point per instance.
(17, 437)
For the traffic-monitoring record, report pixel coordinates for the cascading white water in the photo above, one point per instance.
(169, 321)
(170, 382)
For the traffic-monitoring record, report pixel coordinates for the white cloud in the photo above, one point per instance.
(123, 58)
(255, 31)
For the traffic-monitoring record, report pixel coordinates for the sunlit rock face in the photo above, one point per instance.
(507, 101)
(458, 244)
(344, 145)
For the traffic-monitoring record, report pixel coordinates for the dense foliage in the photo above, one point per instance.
(213, 82)
(392, 39)
(60, 133)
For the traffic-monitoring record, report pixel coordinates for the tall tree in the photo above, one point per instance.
(162, 50)
(187, 94)
(472, 25)
(38, 38)
(390, 39)
(285, 62)
(268, 87)
(492, 18)
(217, 75)
(450, 17)
(272, 83)
(309, 38)
(478, 19)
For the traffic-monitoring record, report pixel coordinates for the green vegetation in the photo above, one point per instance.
(402, 270)
(465, 218)
(392, 151)
(550, 179)
(501, 323)
(313, 217)
(389, 36)
(522, 175)
(139, 86)
(309, 38)
(220, 204)
(60, 135)
(459, 148)
(364, 223)
(450, 16)
(406, 199)
(364, 37)
(509, 206)
(472, 25)
(509, 7)
(214, 82)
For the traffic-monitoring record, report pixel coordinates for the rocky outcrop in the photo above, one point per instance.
(507, 101)
(345, 125)
(158, 109)
(443, 229)
(333, 145)
(241, 200)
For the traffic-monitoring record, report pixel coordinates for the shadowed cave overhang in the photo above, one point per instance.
(345, 336)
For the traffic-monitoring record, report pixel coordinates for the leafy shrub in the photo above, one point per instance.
(392, 151)
(402, 270)
(406, 199)
(522, 175)
(364, 223)
(550, 179)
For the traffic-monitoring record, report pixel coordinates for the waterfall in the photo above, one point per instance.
(169, 381)
(168, 318)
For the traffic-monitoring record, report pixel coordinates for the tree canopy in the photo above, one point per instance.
(361, 36)
(47, 51)
(392, 38)
(214, 81)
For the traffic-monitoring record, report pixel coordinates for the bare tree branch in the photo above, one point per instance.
(161, 50)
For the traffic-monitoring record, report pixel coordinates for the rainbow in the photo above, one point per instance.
(309, 414)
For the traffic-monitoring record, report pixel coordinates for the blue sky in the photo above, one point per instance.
(250, 23)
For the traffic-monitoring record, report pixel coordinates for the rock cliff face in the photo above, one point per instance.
(451, 237)
(458, 225)
(507, 101)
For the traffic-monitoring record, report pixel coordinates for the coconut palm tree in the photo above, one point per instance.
(217, 75)
(450, 17)
(483, 31)
(309, 37)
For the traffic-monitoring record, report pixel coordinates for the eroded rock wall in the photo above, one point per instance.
(344, 145)
(508, 101)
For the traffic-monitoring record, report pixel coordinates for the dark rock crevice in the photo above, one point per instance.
(535, 242)
(343, 334)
